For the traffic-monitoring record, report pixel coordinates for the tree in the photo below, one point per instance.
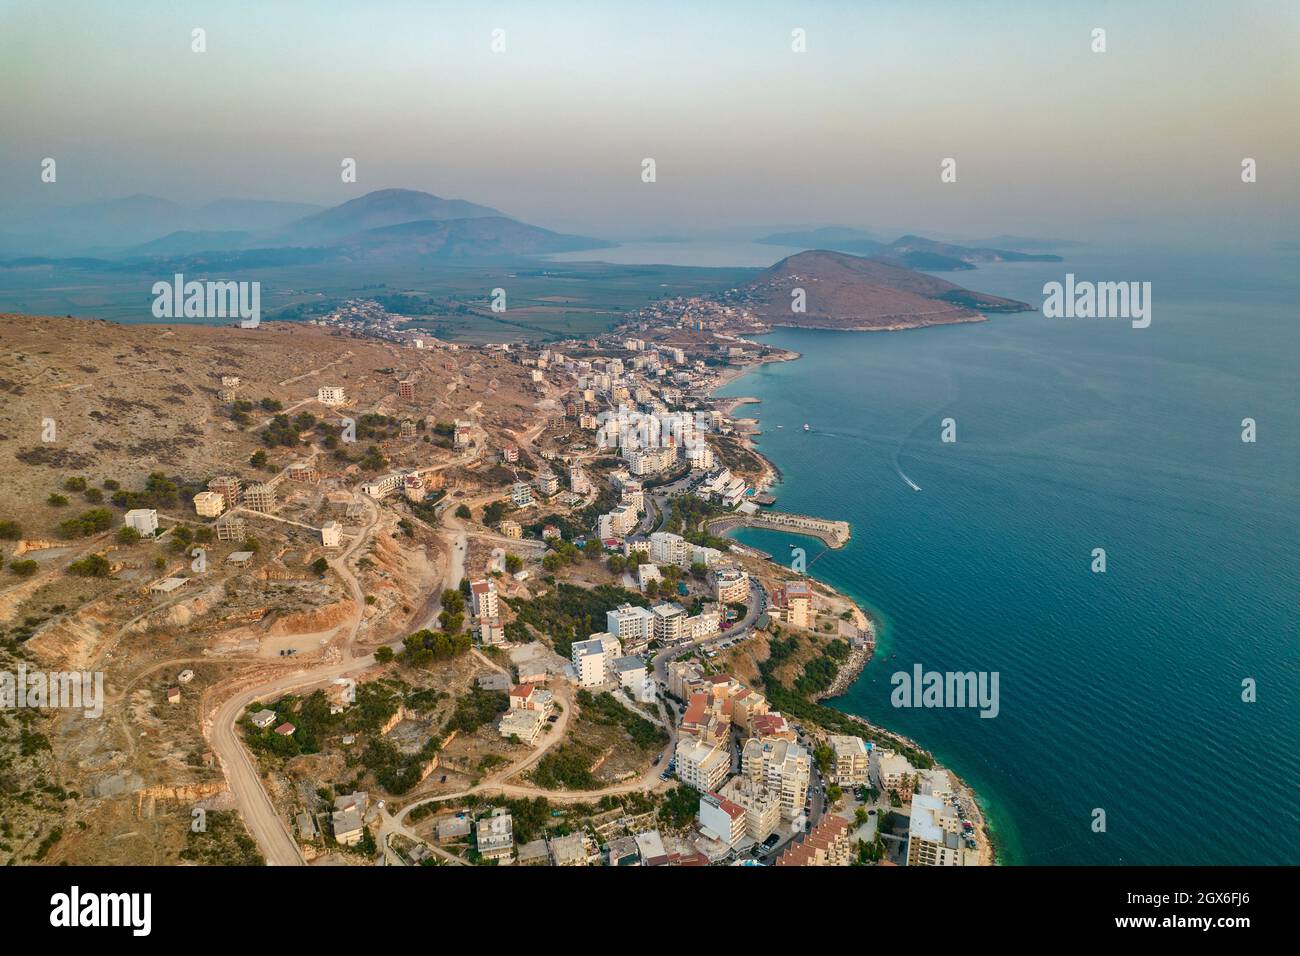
(616, 564)
(320, 566)
(514, 563)
(127, 535)
(24, 568)
(384, 654)
(75, 484)
(258, 459)
(91, 566)
(56, 500)
(10, 530)
(552, 561)
(463, 512)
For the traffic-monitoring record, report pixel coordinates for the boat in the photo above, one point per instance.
(807, 427)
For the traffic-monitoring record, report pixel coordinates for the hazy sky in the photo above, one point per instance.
(1049, 137)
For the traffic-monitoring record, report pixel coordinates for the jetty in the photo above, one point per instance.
(834, 534)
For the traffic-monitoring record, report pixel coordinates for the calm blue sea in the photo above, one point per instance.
(1120, 691)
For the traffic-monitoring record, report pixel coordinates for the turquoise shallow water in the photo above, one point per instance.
(1122, 690)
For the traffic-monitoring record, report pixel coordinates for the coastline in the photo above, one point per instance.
(861, 656)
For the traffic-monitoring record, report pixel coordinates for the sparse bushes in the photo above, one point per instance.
(10, 530)
(24, 568)
(127, 535)
(56, 500)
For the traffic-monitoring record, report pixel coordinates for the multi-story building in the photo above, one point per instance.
(630, 672)
(230, 527)
(632, 625)
(934, 833)
(578, 482)
(762, 807)
(721, 819)
(510, 454)
(495, 833)
(483, 599)
(783, 767)
(209, 504)
(731, 585)
(144, 520)
(593, 659)
(617, 523)
(668, 622)
(891, 771)
(548, 484)
(229, 487)
(702, 765)
(829, 843)
(851, 764)
(793, 604)
(260, 498)
(406, 389)
(521, 494)
(331, 395)
(511, 529)
(523, 725)
(331, 534)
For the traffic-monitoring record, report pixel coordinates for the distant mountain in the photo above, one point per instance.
(481, 237)
(1023, 243)
(855, 293)
(967, 254)
(384, 207)
(186, 241)
(827, 237)
(915, 252)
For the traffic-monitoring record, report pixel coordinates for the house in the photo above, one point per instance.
(534, 853)
(263, 719)
(173, 695)
(571, 850)
(286, 729)
(525, 725)
(495, 835)
(331, 534)
(348, 826)
(721, 819)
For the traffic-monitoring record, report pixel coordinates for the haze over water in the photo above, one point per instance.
(1121, 690)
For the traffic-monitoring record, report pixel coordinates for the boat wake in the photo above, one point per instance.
(910, 483)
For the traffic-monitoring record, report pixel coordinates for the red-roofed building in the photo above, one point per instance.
(829, 843)
(721, 819)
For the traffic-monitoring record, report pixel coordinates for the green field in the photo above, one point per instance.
(544, 300)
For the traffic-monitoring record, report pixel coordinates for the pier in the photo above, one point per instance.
(834, 534)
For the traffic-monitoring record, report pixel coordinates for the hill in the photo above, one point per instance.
(854, 293)
(384, 207)
(483, 237)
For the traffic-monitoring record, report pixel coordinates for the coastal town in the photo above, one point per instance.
(477, 605)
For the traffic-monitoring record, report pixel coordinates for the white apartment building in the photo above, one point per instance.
(934, 833)
(703, 765)
(144, 520)
(731, 585)
(632, 625)
(630, 672)
(483, 599)
(721, 819)
(331, 534)
(331, 395)
(496, 839)
(891, 771)
(521, 494)
(851, 761)
(783, 767)
(593, 659)
(578, 482)
(669, 619)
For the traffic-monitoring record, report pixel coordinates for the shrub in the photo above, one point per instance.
(24, 568)
(127, 535)
(91, 566)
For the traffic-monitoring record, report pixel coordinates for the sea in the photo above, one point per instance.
(1149, 713)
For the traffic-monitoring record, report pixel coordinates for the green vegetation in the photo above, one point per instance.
(10, 531)
(679, 807)
(90, 522)
(91, 566)
(570, 613)
(605, 709)
(222, 841)
(24, 567)
(475, 709)
(687, 518)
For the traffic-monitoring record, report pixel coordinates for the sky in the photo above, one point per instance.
(1050, 138)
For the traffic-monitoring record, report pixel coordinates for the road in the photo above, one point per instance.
(272, 834)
